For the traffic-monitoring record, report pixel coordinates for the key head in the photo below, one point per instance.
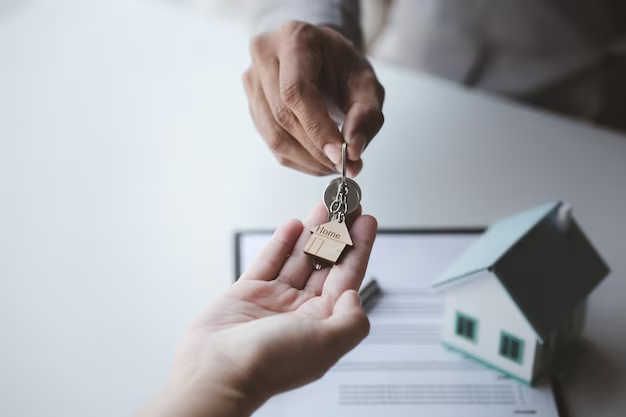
(354, 194)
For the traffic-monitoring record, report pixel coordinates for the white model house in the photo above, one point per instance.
(519, 293)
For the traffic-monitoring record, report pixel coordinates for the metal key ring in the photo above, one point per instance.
(340, 207)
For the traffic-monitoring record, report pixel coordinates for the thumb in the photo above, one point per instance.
(348, 304)
(349, 324)
(364, 116)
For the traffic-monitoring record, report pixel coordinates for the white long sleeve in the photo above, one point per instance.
(342, 14)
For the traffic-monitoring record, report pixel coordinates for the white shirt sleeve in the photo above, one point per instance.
(341, 14)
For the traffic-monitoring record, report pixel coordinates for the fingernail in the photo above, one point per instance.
(333, 152)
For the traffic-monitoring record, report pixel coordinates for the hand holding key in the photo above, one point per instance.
(282, 325)
(295, 70)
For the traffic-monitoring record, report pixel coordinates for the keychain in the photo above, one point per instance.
(342, 197)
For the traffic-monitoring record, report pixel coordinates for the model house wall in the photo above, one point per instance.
(571, 329)
(484, 299)
(578, 319)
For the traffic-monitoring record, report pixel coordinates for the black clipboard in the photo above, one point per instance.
(239, 235)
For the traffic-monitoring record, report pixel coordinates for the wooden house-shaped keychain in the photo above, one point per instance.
(328, 241)
(518, 295)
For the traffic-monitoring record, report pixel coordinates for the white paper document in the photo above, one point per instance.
(401, 368)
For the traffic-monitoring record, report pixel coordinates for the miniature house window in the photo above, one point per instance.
(466, 326)
(511, 347)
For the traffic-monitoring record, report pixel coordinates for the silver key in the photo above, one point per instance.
(341, 197)
(350, 193)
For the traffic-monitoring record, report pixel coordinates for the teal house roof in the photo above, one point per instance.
(496, 241)
(547, 267)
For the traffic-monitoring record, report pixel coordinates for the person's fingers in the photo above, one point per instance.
(270, 261)
(283, 146)
(260, 122)
(316, 282)
(363, 123)
(286, 149)
(346, 327)
(288, 163)
(348, 274)
(353, 168)
(299, 266)
(300, 64)
(247, 80)
(285, 118)
(348, 304)
(364, 118)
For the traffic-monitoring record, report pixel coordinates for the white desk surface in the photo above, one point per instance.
(127, 160)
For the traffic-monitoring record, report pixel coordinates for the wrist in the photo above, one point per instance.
(203, 400)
